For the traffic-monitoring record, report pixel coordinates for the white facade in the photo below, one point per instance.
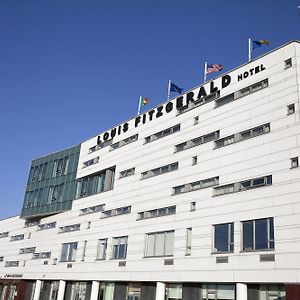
(272, 152)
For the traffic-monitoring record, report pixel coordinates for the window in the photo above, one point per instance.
(217, 291)
(223, 237)
(212, 136)
(119, 247)
(188, 246)
(1, 258)
(32, 223)
(199, 102)
(258, 234)
(159, 244)
(196, 120)
(37, 173)
(116, 212)
(4, 234)
(27, 250)
(91, 162)
(288, 63)
(101, 250)
(243, 185)
(68, 251)
(124, 142)
(60, 167)
(194, 160)
(165, 211)
(84, 250)
(69, 228)
(294, 162)
(92, 209)
(162, 134)
(174, 291)
(291, 109)
(100, 146)
(56, 193)
(41, 255)
(193, 206)
(126, 173)
(160, 170)
(242, 93)
(197, 185)
(47, 226)
(244, 135)
(95, 183)
(12, 263)
(17, 237)
(272, 292)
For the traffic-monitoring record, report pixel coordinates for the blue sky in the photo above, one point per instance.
(71, 69)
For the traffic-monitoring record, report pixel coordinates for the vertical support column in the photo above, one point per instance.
(37, 290)
(95, 290)
(160, 291)
(241, 291)
(61, 290)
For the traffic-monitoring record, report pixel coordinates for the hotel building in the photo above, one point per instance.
(195, 199)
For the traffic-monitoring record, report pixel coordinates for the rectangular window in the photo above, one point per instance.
(100, 146)
(159, 212)
(1, 258)
(212, 136)
(194, 160)
(218, 291)
(84, 250)
(124, 142)
(223, 237)
(258, 234)
(243, 185)
(162, 134)
(17, 237)
(197, 185)
(119, 247)
(95, 183)
(193, 206)
(242, 93)
(294, 162)
(126, 173)
(188, 247)
(90, 162)
(288, 63)
(12, 263)
(60, 166)
(160, 170)
(116, 212)
(92, 209)
(199, 102)
(196, 120)
(291, 109)
(47, 226)
(69, 228)
(68, 251)
(243, 135)
(32, 223)
(159, 244)
(27, 250)
(4, 234)
(101, 250)
(56, 193)
(41, 255)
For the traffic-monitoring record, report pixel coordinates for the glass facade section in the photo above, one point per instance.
(51, 185)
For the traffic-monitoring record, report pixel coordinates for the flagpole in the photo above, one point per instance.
(249, 50)
(169, 89)
(205, 68)
(139, 107)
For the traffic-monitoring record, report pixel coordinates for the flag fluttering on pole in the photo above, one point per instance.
(173, 88)
(208, 69)
(142, 102)
(255, 44)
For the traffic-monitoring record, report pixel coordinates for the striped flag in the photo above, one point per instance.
(213, 68)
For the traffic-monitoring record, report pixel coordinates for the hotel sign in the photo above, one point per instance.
(181, 101)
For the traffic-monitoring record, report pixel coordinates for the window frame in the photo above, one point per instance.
(230, 238)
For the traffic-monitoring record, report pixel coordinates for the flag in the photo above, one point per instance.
(175, 88)
(257, 44)
(144, 101)
(213, 68)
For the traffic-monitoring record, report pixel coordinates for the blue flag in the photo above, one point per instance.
(256, 44)
(175, 88)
